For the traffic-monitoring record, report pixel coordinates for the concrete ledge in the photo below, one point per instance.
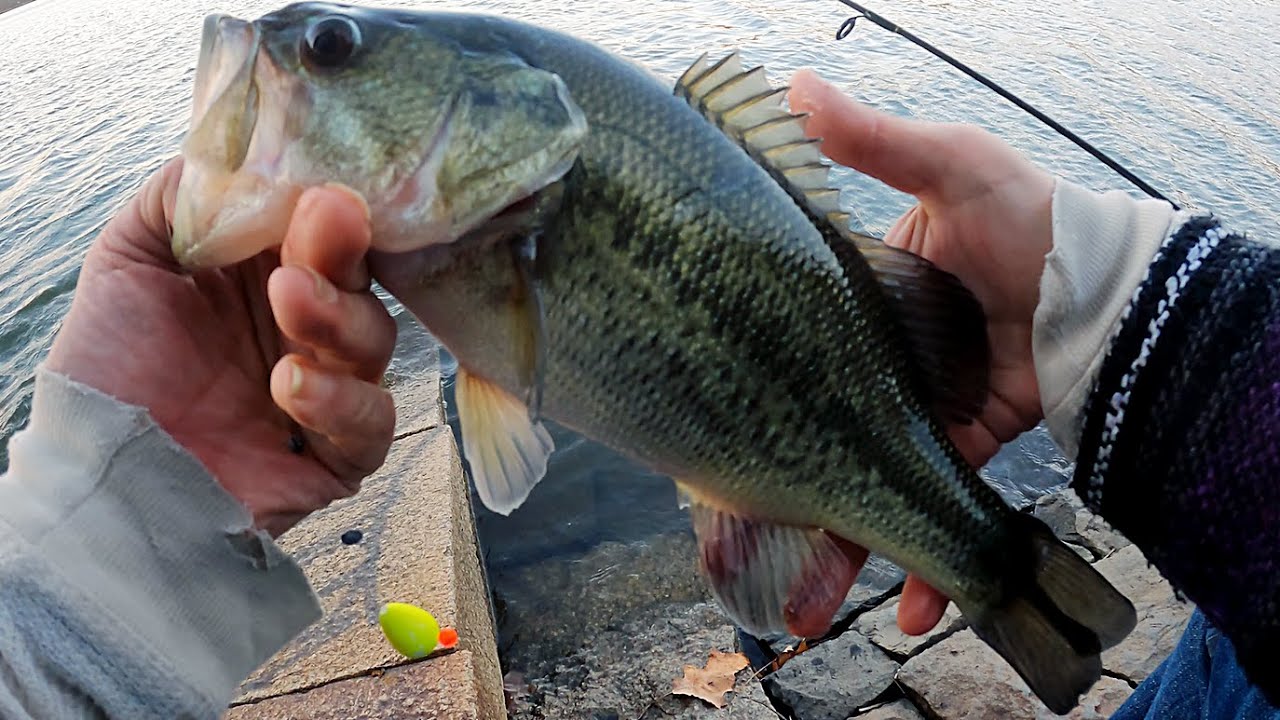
(418, 546)
(441, 687)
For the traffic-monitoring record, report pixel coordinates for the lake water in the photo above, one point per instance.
(93, 96)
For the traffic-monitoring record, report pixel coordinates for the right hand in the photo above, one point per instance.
(984, 215)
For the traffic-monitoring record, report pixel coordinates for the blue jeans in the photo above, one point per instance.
(1200, 681)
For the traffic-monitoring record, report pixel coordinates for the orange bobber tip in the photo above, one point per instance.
(448, 637)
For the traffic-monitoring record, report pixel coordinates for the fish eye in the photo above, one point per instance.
(331, 42)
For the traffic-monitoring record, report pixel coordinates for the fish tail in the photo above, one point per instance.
(1057, 617)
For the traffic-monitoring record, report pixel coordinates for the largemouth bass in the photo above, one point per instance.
(666, 272)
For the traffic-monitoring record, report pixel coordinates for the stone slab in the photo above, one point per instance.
(881, 626)
(440, 688)
(834, 679)
(1064, 512)
(1161, 616)
(962, 678)
(418, 546)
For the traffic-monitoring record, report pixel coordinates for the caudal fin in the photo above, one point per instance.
(1056, 621)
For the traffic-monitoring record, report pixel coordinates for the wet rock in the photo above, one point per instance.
(898, 710)
(834, 679)
(881, 626)
(1064, 512)
(1161, 616)
(962, 677)
(627, 672)
(606, 587)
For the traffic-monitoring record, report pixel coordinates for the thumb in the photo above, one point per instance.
(909, 155)
(141, 232)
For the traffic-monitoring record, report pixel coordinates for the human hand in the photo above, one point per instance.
(984, 214)
(227, 361)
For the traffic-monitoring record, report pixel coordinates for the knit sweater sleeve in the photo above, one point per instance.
(1177, 415)
(131, 584)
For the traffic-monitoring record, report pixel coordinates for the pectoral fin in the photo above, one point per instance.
(772, 578)
(529, 331)
(506, 449)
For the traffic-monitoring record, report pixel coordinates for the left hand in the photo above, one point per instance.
(984, 213)
(232, 362)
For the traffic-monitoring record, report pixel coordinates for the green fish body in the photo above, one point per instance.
(669, 274)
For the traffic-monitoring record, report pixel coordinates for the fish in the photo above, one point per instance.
(665, 270)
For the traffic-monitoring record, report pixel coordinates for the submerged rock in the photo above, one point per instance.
(551, 609)
(962, 678)
(834, 679)
(628, 671)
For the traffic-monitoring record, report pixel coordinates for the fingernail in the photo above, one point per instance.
(295, 379)
(351, 192)
(325, 290)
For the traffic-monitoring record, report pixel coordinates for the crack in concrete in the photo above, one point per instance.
(367, 672)
(415, 431)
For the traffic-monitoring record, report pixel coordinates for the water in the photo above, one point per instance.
(93, 99)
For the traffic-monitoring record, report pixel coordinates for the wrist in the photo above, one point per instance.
(1102, 247)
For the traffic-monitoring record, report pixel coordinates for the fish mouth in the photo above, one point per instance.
(224, 81)
(229, 205)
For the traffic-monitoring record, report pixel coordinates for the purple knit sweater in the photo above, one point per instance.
(1181, 443)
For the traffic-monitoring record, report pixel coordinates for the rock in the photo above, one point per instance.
(1075, 524)
(627, 671)
(608, 586)
(962, 677)
(899, 710)
(834, 679)
(1161, 616)
(881, 625)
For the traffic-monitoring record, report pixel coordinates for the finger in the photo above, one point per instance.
(906, 154)
(330, 232)
(910, 231)
(920, 608)
(355, 419)
(349, 331)
(975, 441)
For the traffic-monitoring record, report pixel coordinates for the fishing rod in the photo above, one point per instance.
(847, 27)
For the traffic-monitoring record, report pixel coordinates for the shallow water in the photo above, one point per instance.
(93, 98)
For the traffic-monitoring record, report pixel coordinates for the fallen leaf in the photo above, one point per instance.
(713, 681)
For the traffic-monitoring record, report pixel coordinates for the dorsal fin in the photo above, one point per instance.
(943, 322)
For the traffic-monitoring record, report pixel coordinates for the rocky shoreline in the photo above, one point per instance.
(637, 626)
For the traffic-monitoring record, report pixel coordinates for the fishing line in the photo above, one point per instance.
(848, 25)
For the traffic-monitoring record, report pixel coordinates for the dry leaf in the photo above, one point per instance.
(713, 681)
